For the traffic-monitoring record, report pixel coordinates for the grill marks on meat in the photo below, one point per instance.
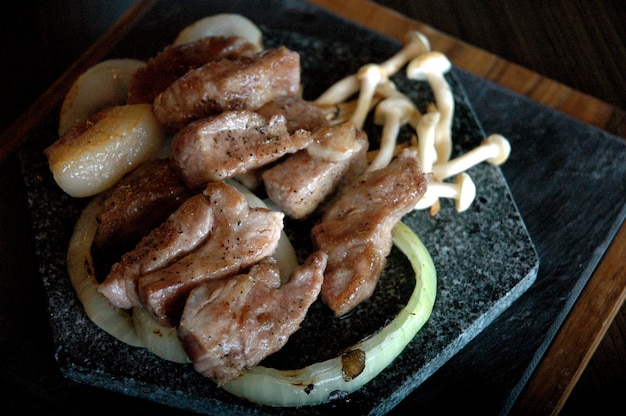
(244, 83)
(141, 201)
(240, 237)
(231, 325)
(356, 230)
(301, 183)
(231, 143)
(182, 232)
(175, 60)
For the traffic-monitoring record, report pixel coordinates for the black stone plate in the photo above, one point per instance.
(484, 257)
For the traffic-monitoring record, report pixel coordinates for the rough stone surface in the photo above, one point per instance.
(559, 172)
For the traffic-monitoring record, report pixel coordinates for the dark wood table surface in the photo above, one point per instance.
(573, 346)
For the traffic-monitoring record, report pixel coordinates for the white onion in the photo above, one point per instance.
(161, 340)
(314, 384)
(102, 86)
(224, 24)
(91, 162)
(135, 327)
(116, 322)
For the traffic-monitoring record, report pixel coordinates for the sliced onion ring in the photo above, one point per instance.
(101, 86)
(316, 383)
(160, 340)
(137, 327)
(117, 322)
(311, 385)
(223, 24)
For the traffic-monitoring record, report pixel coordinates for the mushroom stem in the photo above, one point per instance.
(495, 149)
(371, 154)
(388, 89)
(392, 113)
(341, 112)
(463, 191)
(432, 67)
(339, 91)
(369, 76)
(425, 129)
(415, 43)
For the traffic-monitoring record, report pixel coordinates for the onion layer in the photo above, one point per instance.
(316, 383)
(224, 24)
(86, 162)
(160, 340)
(117, 322)
(102, 86)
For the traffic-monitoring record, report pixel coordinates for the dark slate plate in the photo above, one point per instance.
(484, 257)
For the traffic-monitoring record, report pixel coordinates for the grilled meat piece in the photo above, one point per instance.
(233, 324)
(231, 143)
(356, 230)
(301, 183)
(244, 83)
(299, 113)
(181, 233)
(141, 201)
(175, 60)
(240, 237)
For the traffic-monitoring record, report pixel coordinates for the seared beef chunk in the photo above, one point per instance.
(301, 183)
(356, 230)
(175, 60)
(232, 324)
(240, 237)
(231, 143)
(245, 83)
(183, 231)
(141, 201)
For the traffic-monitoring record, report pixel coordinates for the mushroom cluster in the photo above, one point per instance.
(432, 130)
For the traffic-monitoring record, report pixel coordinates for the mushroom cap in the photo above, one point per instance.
(426, 201)
(503, 146)
(428, 63)
(371, 73)
(402, 108)
(417, 38)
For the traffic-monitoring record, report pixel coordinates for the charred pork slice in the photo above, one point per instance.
(182, 232)
(175, 60)
(140, 202)
(230, 144)
(245, 83)
(233, 324)
(301, 183)
(240, 237)
(356, 230)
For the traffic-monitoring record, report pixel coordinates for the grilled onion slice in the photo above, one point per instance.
(102, 86)
(311, 385)
(117, 322)
(224, 24)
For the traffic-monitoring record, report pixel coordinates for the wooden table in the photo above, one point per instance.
(571, 349)
(575, 343)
